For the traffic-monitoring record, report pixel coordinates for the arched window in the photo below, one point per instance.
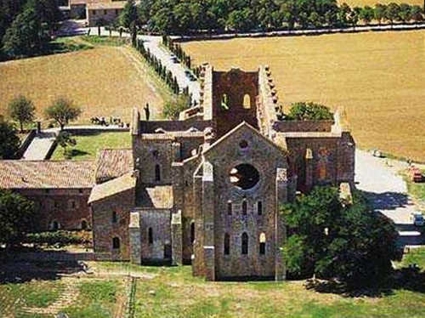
(229, 208)
(192, 232)
(262, 244)
(260, 208)
(244, 207)
(224, 102)
(244, 244)
(247, 101)
(157, 173)
(114, 217)
(150, 236)
(84, 225)
(115, 243)
(55, 225)
(226, 244)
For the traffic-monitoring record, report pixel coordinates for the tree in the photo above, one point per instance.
(64, 140)
(173, 108)
(366, 14)
(24, 37)
(17, 215)
(392, 12)
(9, 141)
(379, 12)
(334, 239)
(22, 110)
(129, 14)
(62, 111)
(405, 13)
(309, 111)
(416, 13)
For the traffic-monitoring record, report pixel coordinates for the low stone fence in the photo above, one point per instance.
(25, 144)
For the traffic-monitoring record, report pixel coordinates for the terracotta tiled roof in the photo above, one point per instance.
(21, 174)
(113, 163)
(112, 187)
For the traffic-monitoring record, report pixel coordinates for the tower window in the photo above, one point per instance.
(244, 244)
(192, 232)
(260, 208)
(84, 225)
(244, 207)
(114, 217)
(247, 102)
(229, 208)
(226, 244)
(157, 173)
(150, 236)
(115, 243)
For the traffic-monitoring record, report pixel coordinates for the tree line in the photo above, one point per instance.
(26, 26)
(193, 16)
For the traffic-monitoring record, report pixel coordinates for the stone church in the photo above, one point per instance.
(205, 189)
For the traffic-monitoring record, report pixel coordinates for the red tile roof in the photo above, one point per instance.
(113, 163)
(22, 174)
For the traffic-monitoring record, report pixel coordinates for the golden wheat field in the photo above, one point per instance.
(379, 78)
(103, 81)
(362, 3)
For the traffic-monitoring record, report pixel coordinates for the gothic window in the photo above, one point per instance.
(114, 217)
(244, 244)
(55, 225)
(262, 244)
(105, 12)
(244, 207)
(157, 173)
(260, 208)
(247, 101)
(226, 244)
(192, 232)
(150, 235)
(115, 243)
(224, 102)
(84, 225)
(229, 208)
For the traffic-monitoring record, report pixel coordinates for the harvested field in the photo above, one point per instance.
(378, 78)
(104, 81)
(362, 3)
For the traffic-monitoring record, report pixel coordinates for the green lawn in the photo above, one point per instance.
(88, 146)
(97, 299)
(38, 294)
(175, 293)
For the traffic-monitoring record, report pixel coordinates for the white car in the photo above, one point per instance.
(417, 218)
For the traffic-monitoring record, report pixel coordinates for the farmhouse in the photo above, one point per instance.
(95, 11)
(205, 189)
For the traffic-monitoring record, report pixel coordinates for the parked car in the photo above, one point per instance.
(417, 218)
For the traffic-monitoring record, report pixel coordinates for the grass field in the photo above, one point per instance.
(103, 81)
(377, 77)
(88, 146)
(362, 3)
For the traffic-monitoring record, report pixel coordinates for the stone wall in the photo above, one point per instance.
(67, 207)
(106, 227)
(173, 125)
(106, 15)
(304, 125)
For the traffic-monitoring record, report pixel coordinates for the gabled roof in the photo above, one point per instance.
(22, 174)
(242, 126)
(157, 197)
(113, 163)
(112, 187)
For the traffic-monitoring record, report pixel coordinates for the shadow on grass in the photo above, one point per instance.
(407, 278)
(78, 153)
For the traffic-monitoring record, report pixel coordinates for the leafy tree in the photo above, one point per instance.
(334, 239)
(366, 14)
(173, 108)
(309, 111)
(64, 140)
(17, 215)
(129, 14)
(392, 12)
(416, 13)
(379, 12)
(22, 110)
(24, 37)
(9, 141)
(405, 13)
(62, 111)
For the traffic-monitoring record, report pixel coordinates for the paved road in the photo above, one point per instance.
(40, 146)
(379, 178)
